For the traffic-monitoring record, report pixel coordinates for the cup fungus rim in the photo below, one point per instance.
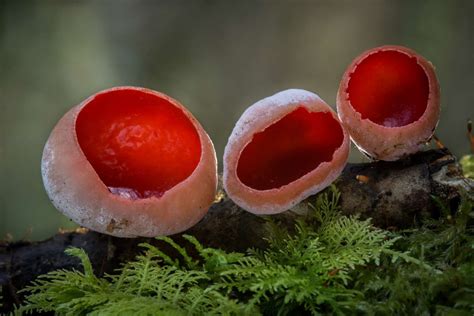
(303, 177)
(399, 141)
(283, 103)
(72, 185)
(426, 66)
(160, 95)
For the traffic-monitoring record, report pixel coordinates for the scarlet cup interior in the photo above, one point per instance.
(389, 88)
(288, 149)
(139, 143)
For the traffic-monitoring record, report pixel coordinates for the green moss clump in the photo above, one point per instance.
(447, 246)
(467, 163)
(330, 264)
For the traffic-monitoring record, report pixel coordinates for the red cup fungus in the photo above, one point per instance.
(130, 162)
(388, 100)
(283, 149)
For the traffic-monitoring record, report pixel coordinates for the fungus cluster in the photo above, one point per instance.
(134, 162)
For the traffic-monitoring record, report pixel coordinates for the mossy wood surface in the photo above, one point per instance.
(394, 194)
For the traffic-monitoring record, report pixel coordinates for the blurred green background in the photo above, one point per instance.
(216, 57)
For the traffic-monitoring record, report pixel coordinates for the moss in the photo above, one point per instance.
(467, 163)
(330, 264)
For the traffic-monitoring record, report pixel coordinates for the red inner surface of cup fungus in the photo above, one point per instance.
(288, 149)
(389, 88)
(140, 144)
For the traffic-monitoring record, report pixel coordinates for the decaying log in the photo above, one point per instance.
(394, 194)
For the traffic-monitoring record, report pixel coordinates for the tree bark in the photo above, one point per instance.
(394, 194)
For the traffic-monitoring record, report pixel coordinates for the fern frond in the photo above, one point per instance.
(188, 260)
(143, 288)
(327, 264)
(157, 253)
